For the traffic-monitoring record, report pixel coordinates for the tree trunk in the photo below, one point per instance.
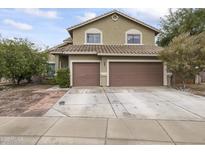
(29, 80)
(184, 85)
(18, 81)
(173, 80)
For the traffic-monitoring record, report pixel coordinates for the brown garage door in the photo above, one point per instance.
(86, 74)
(135, 74)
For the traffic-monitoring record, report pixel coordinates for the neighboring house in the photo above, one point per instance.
(113, 49)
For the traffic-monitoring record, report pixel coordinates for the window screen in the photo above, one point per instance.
(93, 38)
(133, 38)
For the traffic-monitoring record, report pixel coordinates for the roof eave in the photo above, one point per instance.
(103, 54)
(157, 31)
(89, 21)
(73, 53)
(55, 47)
(141, 55)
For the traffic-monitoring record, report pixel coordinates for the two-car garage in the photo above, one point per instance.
(119, 74)
(135, 74)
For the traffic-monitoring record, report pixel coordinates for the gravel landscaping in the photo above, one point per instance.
(28, 100)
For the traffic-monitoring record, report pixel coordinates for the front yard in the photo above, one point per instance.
(28, 100)
(147, 102)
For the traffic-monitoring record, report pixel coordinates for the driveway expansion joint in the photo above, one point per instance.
(165, 131)
(201, 117)
(47, 130)
(109, 102)
(61, 112)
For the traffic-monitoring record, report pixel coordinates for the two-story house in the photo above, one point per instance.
(113, 49)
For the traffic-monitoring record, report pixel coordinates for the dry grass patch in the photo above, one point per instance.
(29, 100)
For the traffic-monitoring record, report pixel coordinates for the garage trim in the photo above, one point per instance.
(78, 61)
(125, 60)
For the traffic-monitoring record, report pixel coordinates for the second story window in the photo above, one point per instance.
(133, 39)
(94, 38)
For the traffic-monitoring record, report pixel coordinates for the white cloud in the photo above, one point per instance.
(41, 13)
(151, 13)
(17, 25)
(150, 16)
(87, 16)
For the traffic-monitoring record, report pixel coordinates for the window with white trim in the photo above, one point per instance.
(133, 37)
(93, 38)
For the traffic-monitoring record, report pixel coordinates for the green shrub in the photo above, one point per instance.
(63, 78)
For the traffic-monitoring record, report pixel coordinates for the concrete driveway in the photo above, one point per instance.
(135, 103)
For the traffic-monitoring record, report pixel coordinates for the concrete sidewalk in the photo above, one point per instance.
(65, 130)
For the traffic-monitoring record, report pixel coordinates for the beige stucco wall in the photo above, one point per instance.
(103, 63)
(51, 58)
(83, 57)
(114, 31)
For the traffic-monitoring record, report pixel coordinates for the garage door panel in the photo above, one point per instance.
(135, 74)
(86, 74)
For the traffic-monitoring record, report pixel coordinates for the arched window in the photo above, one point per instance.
(93, 36)
(133, 37)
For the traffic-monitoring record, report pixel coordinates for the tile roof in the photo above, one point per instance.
(58, 46)
(112, 50)
(69, 40)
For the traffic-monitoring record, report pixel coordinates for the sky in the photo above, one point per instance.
(47, 27)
